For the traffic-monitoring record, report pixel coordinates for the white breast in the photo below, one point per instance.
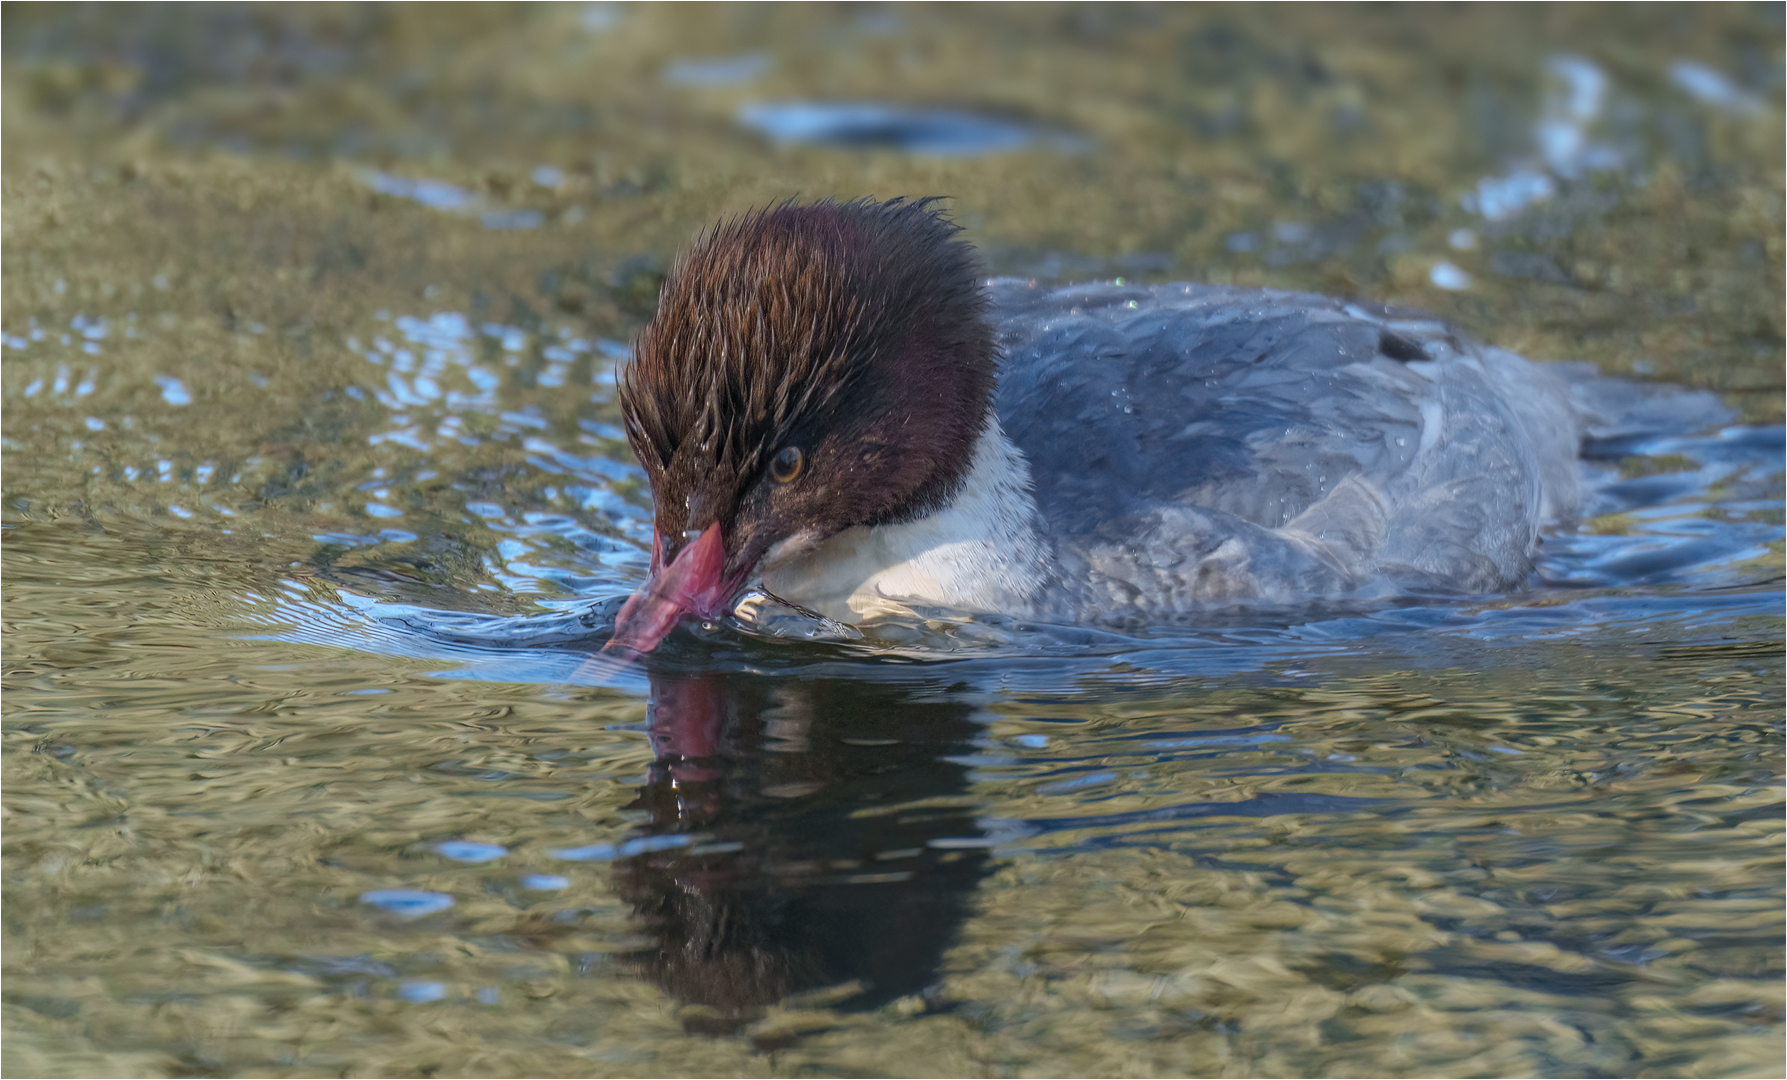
(980, 553)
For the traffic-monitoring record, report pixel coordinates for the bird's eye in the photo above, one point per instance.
(786, 465)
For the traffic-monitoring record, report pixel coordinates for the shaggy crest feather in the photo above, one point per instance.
(780, 282)
(771, 322)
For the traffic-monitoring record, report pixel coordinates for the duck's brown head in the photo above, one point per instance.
(809, 369)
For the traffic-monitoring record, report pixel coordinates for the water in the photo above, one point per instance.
(316, 507)
(865, 125)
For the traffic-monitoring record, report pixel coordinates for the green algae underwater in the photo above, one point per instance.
(314, 489)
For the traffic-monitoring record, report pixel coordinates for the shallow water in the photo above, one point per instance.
(316, 508)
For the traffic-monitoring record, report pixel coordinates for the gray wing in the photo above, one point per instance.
(1199, 444)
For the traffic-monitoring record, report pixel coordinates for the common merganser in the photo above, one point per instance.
(832, 404)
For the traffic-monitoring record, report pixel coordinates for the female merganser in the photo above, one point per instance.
(821, 408)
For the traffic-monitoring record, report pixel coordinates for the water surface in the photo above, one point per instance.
(316, 506)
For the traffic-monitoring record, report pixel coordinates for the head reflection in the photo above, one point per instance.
(830, 841)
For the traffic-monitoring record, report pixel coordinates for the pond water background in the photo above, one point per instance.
(315, 505)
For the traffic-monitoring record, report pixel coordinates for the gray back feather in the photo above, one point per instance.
(1195, 445)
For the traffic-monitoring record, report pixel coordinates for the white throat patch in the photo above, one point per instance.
(981, 553)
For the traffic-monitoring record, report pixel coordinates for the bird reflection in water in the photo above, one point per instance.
(831, 846)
